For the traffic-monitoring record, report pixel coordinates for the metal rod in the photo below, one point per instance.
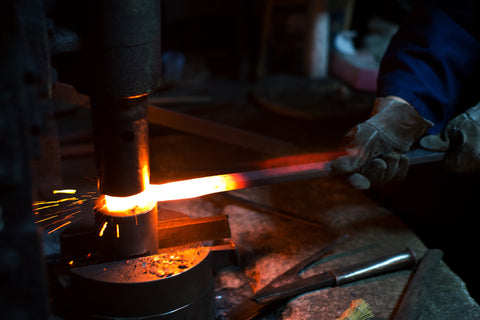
(317, 169)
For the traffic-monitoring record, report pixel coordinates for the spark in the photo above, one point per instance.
(50, 206)
(53, 203)
(71, 215)
(61, 220)
(45, 219)
(67, 191)
(137, 96)
(59, 227)
(103, 229)
(70, 262)
(65, 210)
(118, 231)
(52, 213)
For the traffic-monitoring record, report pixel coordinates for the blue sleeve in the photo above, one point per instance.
(433, 61)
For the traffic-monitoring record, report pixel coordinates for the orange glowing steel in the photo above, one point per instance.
(177, 190)
(291, 168)
(128, 205)
(192, 188)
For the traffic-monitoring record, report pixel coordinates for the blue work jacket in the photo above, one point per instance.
(433, 61)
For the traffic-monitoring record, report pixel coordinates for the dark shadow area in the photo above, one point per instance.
(442, 209)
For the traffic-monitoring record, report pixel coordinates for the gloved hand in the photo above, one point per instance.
(376, 148)
(461, 141)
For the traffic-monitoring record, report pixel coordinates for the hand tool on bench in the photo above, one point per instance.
(390, 263)
(280, 290)
(249, 309)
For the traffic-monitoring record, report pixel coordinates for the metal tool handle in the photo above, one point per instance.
(394, 262)
(401, 260)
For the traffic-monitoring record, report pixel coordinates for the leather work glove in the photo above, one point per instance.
(461, 141)
(376, 148)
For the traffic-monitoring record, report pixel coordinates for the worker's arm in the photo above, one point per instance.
(433, 60)
(427, 76)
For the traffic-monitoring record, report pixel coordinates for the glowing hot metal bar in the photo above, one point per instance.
(226, 182)
(192, 188)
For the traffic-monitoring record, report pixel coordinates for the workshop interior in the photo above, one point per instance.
(169, 159)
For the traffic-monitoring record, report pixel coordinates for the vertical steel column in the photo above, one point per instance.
(123, 65)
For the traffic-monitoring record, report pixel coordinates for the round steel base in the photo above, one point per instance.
(147, 287)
